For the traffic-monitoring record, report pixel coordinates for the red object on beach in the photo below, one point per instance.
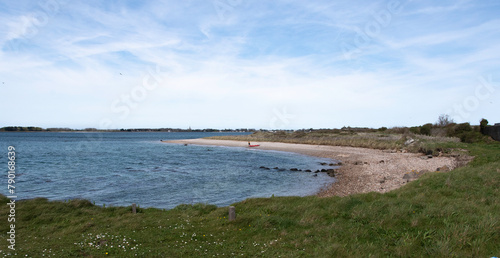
(255, 145)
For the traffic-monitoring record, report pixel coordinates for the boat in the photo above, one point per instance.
(254, 145)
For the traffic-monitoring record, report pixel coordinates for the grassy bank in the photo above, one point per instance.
(440, 215)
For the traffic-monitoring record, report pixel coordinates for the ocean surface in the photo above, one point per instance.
(122, 168)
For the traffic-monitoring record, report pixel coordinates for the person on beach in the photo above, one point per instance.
(248, 143)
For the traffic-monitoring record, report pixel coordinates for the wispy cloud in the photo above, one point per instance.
(234, 69)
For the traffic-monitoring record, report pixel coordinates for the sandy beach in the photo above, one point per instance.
(362, 170)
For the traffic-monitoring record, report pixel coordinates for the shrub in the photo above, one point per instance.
(466, 133)
(426, 129)
(459, 129)
(415, 130)
(464, 127)
(482, 125)
(472, 137)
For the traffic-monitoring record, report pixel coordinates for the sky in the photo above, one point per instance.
(248, 64)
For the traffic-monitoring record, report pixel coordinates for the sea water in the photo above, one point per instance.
(121, 168)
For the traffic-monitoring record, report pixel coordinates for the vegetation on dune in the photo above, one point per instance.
(441, 137)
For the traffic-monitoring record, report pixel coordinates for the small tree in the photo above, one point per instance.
(482, 126)
(444, 120)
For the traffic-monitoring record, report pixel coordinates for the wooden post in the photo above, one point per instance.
(232, 213)
(134, 210)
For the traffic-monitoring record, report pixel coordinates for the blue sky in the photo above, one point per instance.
(248, 64)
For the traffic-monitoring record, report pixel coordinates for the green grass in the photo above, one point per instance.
(454, 214)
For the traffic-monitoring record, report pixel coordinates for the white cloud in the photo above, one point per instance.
(236, 71)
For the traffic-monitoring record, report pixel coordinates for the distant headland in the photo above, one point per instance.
(64, 129)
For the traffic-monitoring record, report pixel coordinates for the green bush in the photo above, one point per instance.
(415, 130)
(472, 137)
(482, 125)
(461, 128)
(458, 129)
(426, 129)
(466, 133)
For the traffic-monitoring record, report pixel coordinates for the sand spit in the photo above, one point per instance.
(363, 170)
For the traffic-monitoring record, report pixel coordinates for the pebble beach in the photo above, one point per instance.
(362, 170)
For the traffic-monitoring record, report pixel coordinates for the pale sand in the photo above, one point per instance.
(363, 170)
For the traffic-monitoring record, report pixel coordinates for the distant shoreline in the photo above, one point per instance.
(160, 130)
(363, 170)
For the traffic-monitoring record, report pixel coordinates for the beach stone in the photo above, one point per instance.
(409, 141)
(294, 169)
(331, 172)
(323, 170)
(308, 170)
(408, 177)
(276, 168)
(315, 174)
(358, 162)
(429, 156)
(322, 163)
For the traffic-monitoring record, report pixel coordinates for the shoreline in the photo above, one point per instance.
(363, 170)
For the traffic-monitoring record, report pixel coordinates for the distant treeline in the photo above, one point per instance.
(39, 129)
(20, 129)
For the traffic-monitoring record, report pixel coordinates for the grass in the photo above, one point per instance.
(453, 214)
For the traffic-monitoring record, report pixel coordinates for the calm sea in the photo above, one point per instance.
(123, 168)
